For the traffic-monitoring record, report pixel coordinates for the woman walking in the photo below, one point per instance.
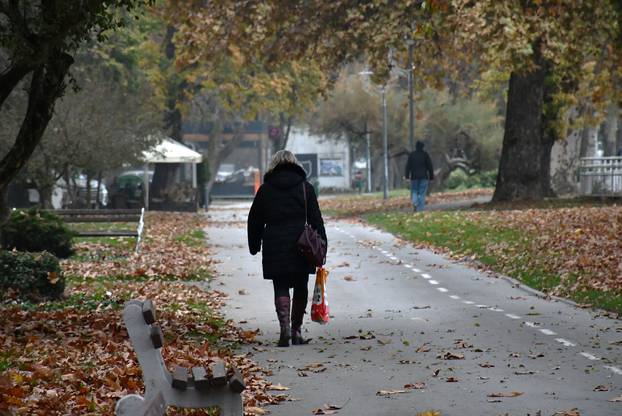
(275, 222)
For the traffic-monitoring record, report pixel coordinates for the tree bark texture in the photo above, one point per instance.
(522, 156)
(10, 78)
(611, 129)
(46, 86)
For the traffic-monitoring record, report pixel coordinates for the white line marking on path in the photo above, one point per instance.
(393, 258)
(426, 276)
(532, 324)
(416, 270)
(495, 309)
(432, 282)
(442, 289)
(468, 302)
(547, 331)
(565, 342)
(589, 356)
(512, 316)
(408, 266)
(454, 297)
(616, 370)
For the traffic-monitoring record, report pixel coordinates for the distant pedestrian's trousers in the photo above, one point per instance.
(419, 188)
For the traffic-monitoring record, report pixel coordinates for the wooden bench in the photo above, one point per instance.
(105, 216)
(197, 388)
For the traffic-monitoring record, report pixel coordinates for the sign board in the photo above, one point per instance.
(309, 164)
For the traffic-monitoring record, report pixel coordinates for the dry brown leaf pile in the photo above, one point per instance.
(359, 205)
(162, 254)
(74, 357)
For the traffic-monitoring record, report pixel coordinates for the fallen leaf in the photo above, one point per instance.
(602, 387)
(277, 387)
(616, 399)
(417, 386)
(507, 394)
(390, 392)
(253, 410)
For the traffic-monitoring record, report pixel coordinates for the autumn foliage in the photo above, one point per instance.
(74, 357)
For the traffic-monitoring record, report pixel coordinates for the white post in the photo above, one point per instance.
(146, 185)
(385, 145)
(194, 175)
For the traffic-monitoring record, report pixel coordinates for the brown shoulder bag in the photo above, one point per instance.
(310, 244)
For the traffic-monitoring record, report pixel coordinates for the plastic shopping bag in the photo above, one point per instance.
(319, 306)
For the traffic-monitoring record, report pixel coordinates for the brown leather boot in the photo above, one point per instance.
(298, 313)
(282, 304)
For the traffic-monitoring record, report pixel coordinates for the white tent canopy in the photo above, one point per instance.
(169, 151)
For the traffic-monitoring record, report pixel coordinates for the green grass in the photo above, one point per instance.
(79, 301)
(7, 360)
(511, 256)
(195, 238)
(206, 317)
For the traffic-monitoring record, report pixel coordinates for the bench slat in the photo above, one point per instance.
(68, 212)
(201, 382)
(157, 337)
(180, 378)
(107, 234)
(218, 373)
(102, 218)
(149, 312)
(236, 382)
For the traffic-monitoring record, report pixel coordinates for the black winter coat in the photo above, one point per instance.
(277, 218)
(419, 166)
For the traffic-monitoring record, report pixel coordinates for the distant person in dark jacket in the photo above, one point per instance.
(420, 171)
(275, 222)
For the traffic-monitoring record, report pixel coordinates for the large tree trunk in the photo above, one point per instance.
(522, 156)
(565, 163)
(611, 129)
(46, 86)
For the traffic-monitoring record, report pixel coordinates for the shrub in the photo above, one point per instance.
(460, 180)
(36, 230)
(30, 275)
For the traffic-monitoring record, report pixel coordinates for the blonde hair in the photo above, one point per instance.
(281, 157)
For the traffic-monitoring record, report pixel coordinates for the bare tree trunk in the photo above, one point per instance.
(88, 190)
(164, 173)
(589, 136)
(218, 151)
(46, 86)
(98, 192)
(11, 77)
(611, 129)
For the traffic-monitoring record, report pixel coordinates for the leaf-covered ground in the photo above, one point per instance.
(73, 357)
(572, 252)
(346, 206)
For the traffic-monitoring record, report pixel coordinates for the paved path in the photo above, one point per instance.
(399, 319)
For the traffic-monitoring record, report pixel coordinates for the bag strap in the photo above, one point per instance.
(304, 195)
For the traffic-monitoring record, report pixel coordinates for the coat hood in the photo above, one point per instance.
(285, 176)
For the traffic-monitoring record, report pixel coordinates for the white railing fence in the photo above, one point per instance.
(601, 176)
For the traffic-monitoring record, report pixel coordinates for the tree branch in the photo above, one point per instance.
(46, 86)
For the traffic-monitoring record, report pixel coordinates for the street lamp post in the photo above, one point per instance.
(411, 104)
(385, 145)
(368, 137)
